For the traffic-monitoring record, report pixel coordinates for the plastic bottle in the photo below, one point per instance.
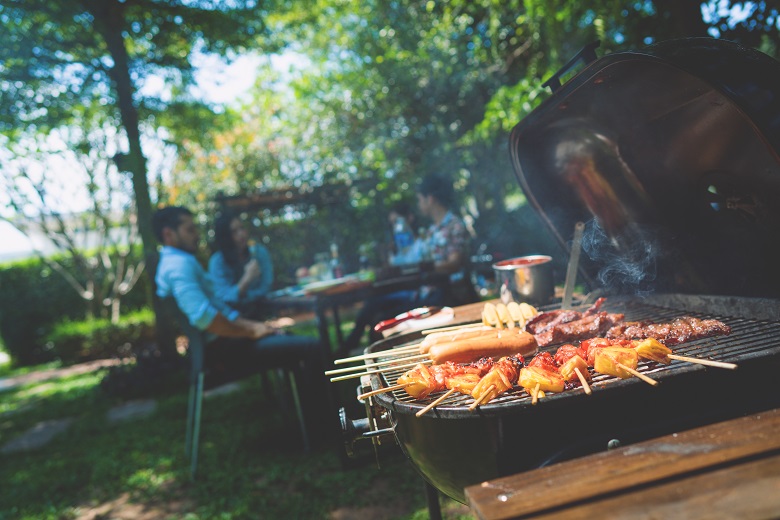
(402, 234)
(337, 270)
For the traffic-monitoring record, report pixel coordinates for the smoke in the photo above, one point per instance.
(627, 263)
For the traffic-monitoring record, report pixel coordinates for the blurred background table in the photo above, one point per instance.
(326, 300)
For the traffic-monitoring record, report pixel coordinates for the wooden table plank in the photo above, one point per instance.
(622, 470)
(747, 491)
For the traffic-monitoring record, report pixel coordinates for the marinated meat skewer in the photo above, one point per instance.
(572, 365)
(588, 326)
(654, 350)
(547, 320)
(424, 380)
(499, 379)
(680, 330)
(541, 374)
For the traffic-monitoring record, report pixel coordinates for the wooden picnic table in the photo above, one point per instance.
(329, 300)
(729, 469)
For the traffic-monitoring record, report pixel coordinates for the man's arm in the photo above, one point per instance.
(238, 328)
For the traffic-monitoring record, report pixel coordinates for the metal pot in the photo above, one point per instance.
(525, 279)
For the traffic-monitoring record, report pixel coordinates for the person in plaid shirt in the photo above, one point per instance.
(447, 245)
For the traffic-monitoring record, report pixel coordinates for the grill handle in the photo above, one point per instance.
(587, 55)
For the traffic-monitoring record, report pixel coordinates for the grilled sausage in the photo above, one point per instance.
(447, 337)
(507, 342)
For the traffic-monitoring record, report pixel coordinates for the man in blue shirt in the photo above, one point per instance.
(180, 275)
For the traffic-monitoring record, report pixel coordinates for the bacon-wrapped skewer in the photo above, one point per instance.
(572, 365)
(541, 375)
(423, 380)
(499, 379)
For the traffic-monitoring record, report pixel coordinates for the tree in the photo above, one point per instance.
(58, 56)
(100, 238)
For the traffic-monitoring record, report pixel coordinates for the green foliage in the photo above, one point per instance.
(251, 462)
(33, 299)
(73, 341)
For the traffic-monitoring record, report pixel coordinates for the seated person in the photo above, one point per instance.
(410, 248)
(242, 273)
(448, 244)
(180, 275)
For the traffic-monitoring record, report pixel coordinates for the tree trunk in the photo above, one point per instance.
(109, 21)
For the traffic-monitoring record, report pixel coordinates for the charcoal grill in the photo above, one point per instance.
(453, 447)
(671, 156)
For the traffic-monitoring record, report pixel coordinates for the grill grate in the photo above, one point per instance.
(749, 338)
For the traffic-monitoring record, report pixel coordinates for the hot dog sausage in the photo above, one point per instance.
(447, 337)
(501, 343)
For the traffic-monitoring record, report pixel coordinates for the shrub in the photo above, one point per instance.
(33, 299)
(74, 341)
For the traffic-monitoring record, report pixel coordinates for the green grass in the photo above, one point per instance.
(251, 462)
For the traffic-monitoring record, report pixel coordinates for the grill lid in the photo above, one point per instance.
(671, 155)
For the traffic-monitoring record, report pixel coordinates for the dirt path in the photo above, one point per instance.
(44, 375)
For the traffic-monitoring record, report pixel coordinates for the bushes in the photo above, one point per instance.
(73, 341)
(33, 299)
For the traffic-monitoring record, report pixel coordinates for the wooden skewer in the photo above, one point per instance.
(585, 385)
(372, 365)
(482, 397)
(646, 379)
(360, 374)
(708, 362)
(435, 403)
(535, 394)
(392, 352)
(453, 328)
(383, 390)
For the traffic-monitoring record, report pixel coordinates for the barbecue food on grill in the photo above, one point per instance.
(653, 350)
(568, 370)
(611, 360)
(501, 378)
(424, 380)
(568, 351)
(547, 320)
(542, 371)
(505, 342)
(589, 326)
(457, 335)
(510, 315)
(591, 346)
(680, 330)
(463, 383)
(548, 380)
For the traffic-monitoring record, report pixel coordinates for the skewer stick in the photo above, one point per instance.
(535, 393)
(646, 379)
(455, 328)
(383, 353)
(372, 365)
(708, 362)
(585, 385)
(383, 390)
(482, 397)
(360, 374)
(435, 403)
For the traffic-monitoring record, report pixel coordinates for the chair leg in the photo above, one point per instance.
(298, 410)
(190, 420)
(196, 425)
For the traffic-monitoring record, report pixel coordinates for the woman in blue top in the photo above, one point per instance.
(242, 273)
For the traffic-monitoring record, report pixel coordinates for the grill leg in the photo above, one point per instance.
(432, 496)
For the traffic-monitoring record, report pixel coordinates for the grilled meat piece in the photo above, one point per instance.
(680, 330)
(424, 380)
(502, 377)
(548, 320)
(589, 326)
